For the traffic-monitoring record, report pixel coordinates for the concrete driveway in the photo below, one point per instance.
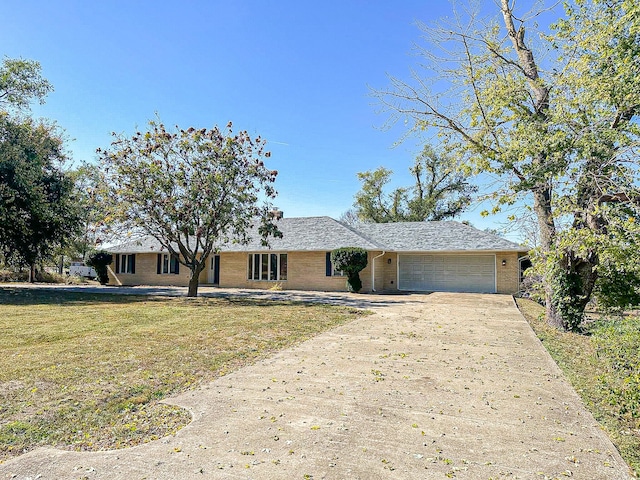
(431, 386)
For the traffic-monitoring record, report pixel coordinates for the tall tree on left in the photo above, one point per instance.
(37, 212)
(191, 189)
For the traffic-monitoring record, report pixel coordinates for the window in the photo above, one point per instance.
(267, 266)
(168, 264)
(331, 269)
(126, 263)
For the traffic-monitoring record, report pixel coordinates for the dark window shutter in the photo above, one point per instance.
(328, 265)
(117, 263)
(132, 258)
(174, 264)
(159, 269)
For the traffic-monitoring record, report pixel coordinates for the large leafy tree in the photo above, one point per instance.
(37, 212)
(191, 189)
(553, 117)
(440, 191)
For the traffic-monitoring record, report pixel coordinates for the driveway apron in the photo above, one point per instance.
(430, 386)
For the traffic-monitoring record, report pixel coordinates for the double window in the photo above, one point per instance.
(167, 264)
(126, 263)
(267, 266)
(331, 269)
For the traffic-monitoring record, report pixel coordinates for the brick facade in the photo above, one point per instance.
(306, 271)
(146, 273)
(507, 276)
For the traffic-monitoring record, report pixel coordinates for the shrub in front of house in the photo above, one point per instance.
(350, 260)
(99, 261)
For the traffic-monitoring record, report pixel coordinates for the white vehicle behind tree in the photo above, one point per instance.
(79, 269)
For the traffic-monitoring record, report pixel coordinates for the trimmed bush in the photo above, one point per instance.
(351, 260)
(99, 262)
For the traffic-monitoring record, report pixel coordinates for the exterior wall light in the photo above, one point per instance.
(504, 263)
(389, 261)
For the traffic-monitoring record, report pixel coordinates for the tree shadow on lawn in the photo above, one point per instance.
(57, 295)
(353, 300)
(45, 296)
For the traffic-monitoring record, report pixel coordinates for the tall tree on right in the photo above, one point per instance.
(554, 118)
(440, 191)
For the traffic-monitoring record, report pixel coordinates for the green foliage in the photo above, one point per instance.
(440, 192)
(20, 83)
(560, 139)
(99, 261)
(618, 290)
(354, 283)
(371, 204)
(618, 265)
(567, 296)
(92, 204)
(618, 352)
(37, 212)
(618, 286)
(351, 260)
(190, 189)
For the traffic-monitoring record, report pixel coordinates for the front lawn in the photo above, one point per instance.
(87, 372)
(604, 368)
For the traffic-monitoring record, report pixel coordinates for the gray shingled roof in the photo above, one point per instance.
(435, 237)
(146, 244)
(325, 233)
(298, 234)
(306, 234)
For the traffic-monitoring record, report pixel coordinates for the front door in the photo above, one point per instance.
(214, 270)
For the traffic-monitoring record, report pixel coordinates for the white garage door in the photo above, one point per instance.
(447, 273)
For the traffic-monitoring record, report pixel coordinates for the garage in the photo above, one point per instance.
(447, 273)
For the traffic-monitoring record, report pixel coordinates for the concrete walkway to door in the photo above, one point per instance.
(431, 386)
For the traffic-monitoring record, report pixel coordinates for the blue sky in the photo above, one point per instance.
(297, 73)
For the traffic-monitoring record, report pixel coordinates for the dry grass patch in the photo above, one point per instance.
(603, 367)
(87, 372)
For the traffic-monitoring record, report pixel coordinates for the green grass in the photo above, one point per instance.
(87, 372)
(604, 368)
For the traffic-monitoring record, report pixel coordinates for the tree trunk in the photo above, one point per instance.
(32, 273)
(569, 279)
(573, 281)
(194, 278)
(576, 274)
(193, 286)
(541, 192)
(547, 228)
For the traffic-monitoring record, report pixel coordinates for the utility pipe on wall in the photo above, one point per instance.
(373, 271)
